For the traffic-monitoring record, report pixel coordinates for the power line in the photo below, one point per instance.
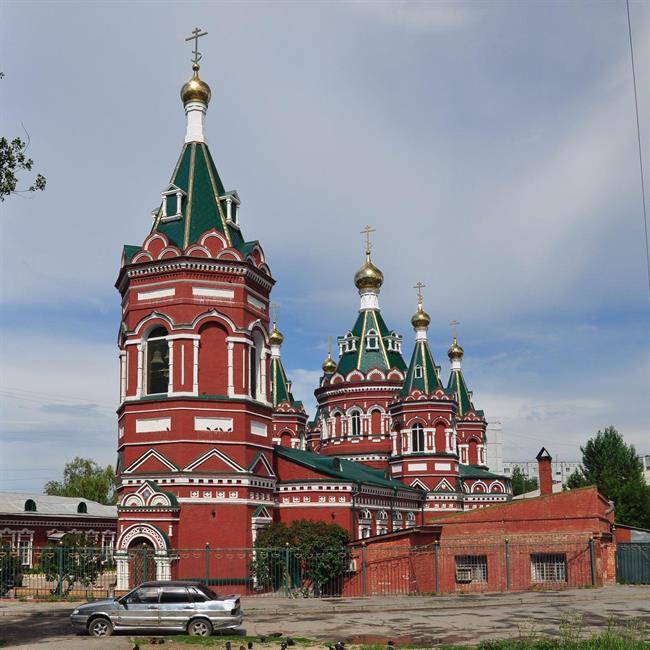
(638, 138)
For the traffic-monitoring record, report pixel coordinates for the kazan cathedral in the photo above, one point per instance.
(212, 445)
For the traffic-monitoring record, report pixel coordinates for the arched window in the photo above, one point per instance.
(82, 508)
(375, 422)
(337, 425)
(356, 423)
(253, 371)
(417, 437)
(440, 438)
(30, 505)
(157, 362)
(472, 449)
(372, 340)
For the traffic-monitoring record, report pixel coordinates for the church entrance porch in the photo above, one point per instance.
(143, 554)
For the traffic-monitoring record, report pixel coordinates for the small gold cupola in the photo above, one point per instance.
(329, 365)
(455, 352)
(196, 90)
(276, 337)
(420, 320)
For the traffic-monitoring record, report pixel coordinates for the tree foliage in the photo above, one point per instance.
(11, 570)
(76, 560)
(614, 467)
(306, 557)
(13, 159)
(521, 483)
(84, 478)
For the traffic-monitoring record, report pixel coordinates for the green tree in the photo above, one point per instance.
(614, 467)
(521, 483)
(76, 560)
(306, 556)
(13, 160)
(84, 478)
(11, 570)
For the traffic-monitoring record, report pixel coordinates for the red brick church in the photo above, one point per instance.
(212, 444)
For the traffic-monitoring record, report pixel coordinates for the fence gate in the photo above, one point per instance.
(142, 563)
(633, 563)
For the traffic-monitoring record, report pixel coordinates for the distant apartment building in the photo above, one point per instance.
(562, 469)
(494, 446)
(645, 461)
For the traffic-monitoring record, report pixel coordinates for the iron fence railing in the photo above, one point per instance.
(359, 570)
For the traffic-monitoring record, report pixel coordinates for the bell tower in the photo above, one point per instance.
(195, 417)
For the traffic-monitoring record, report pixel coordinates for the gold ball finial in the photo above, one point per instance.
(420, 319)
(196, 90)
(329, 365)
(455, 352)
(368, 276)
(276, 337)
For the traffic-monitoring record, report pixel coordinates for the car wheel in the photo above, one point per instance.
(199, 627)
(100, 627)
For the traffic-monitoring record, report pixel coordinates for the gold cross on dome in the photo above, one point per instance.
(366, 231)
(453, 324)
(196, 35)
(419, 286)
(329, 346)
(275, 308)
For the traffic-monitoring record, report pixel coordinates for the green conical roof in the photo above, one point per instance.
(423, 372)
(458, 388)
(280, 386)
(201, 209)
(365, 357)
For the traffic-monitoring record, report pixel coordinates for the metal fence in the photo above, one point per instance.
(447, 568)
(633, 563)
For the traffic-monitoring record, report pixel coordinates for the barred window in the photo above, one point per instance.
(471, 568)
(548, 567)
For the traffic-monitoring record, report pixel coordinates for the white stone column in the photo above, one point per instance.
(179, 198)
(163, 566)
(261, 389)
(164, 205)
(138, 392)
(195, 367)
(448, 440)
(122, 567)
(393, 439)
(229, 208)
(122, 375)
(170, 384)
(231, 369)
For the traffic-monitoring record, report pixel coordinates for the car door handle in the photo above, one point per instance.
(188, 607)
(152, 607)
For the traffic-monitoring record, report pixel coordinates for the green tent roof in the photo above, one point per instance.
(457, 387)
(365, 359)
(423, 372)
(280, 387)
(201, 209)
(473, 471)
(341, 469)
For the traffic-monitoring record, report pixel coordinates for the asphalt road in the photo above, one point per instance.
(423, 621)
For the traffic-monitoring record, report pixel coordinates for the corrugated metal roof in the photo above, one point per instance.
(13, 503)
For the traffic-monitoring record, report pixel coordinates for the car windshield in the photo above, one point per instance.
(208, 592)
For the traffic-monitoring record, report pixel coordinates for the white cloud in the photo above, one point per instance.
(418, 16)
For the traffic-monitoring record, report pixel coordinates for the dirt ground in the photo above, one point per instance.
(420, 621)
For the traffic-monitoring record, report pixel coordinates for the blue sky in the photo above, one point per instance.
(491, 144)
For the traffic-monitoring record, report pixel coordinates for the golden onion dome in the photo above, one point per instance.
(368, 276)
(455, 351)
(196, 90)
(420, 319)
(276, 337)
(329, 365)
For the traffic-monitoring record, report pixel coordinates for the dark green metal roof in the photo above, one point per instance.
(341, 469)
(196, 175)
(473, 471)
(280, 384)
(363, 359)
(458, 388)
(428, 382)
